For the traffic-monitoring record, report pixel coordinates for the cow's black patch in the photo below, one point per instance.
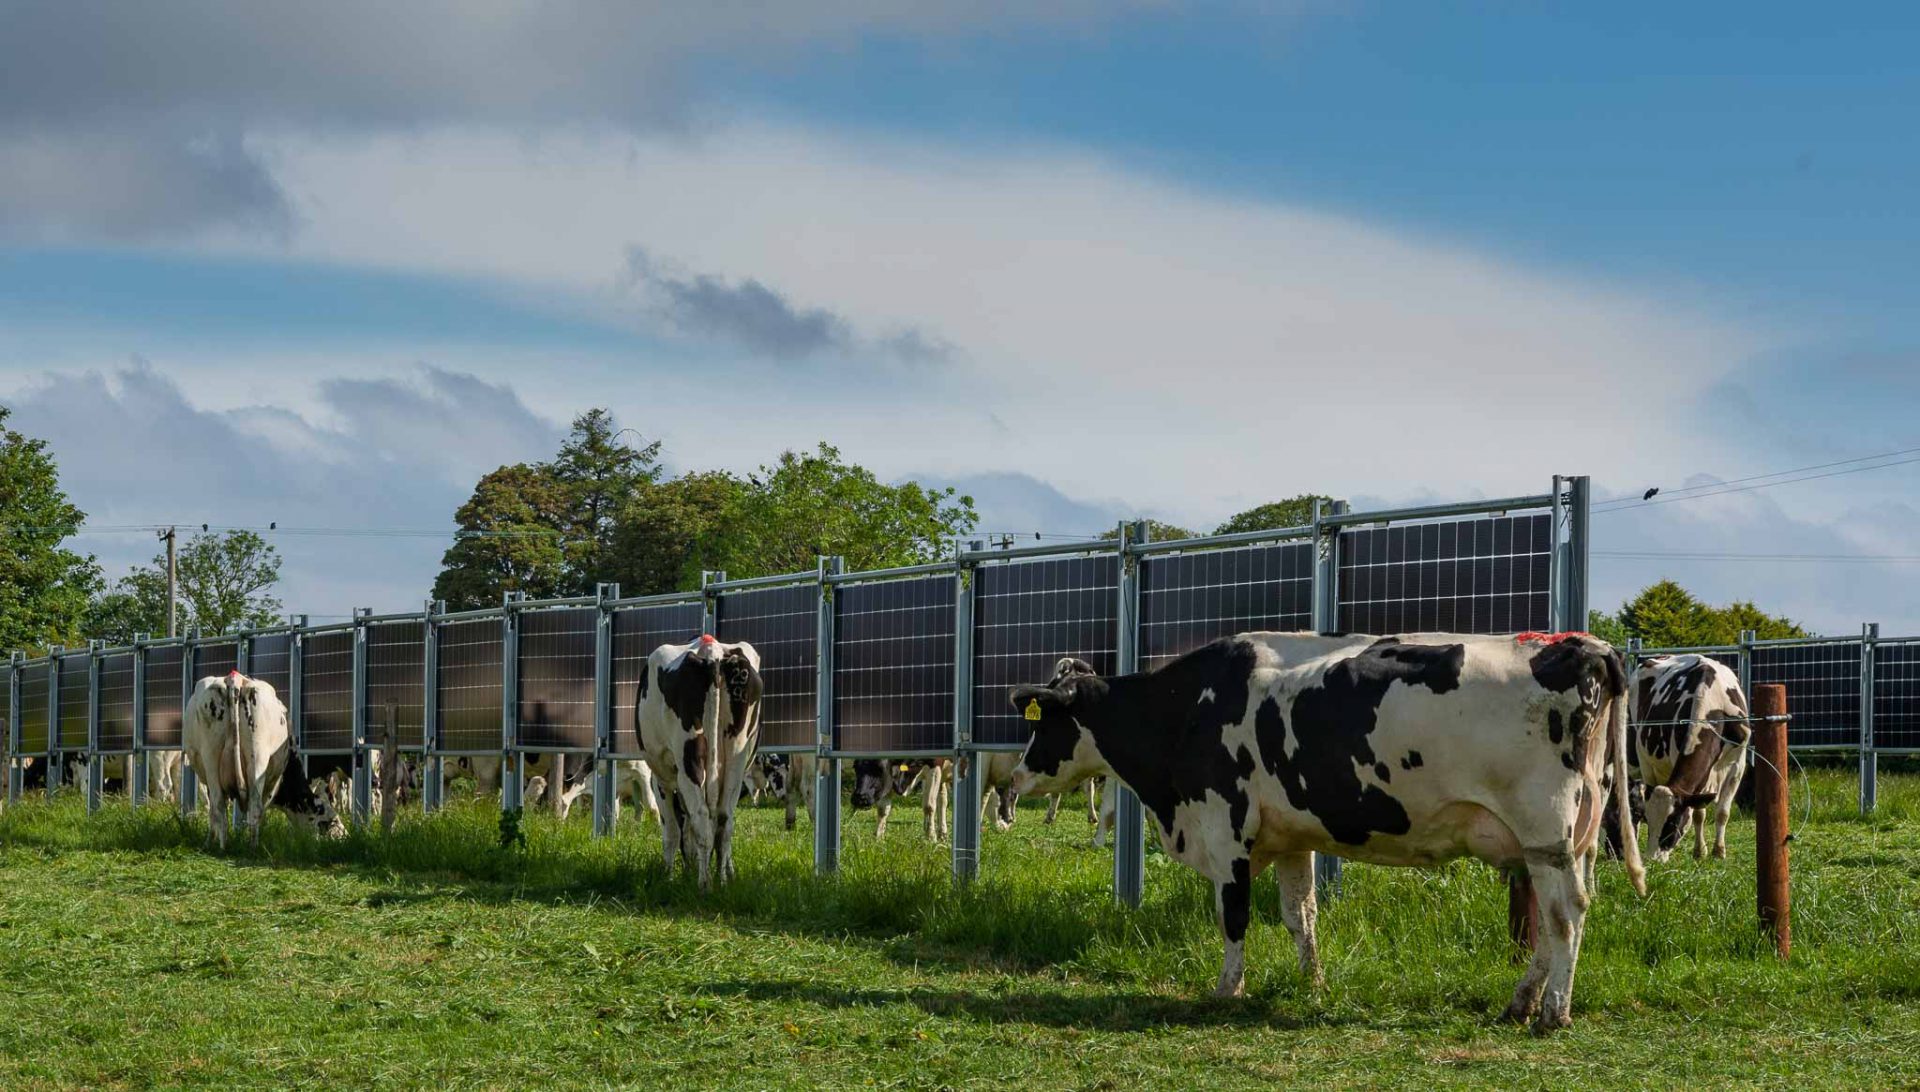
(1236, 900)
(694, 758)
(742, 684)
(1412, 761)
(1380, 771)
(1235, 791)
(684, 686)
(1556, 726)
(1331, 723)
(1180, 842)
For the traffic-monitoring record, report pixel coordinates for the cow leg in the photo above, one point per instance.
(931, 809)
(1053, 808)
(1722, 812)
(1563, 915)
(696, 829)
(216, 813)
(672, 815)
(882, 808)
(1009, 800)
(1093, 801)
(1697, 818)
(1299, 907)
(1233, 901)
(731, 775)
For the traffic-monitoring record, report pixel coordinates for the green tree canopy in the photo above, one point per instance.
(671, 530)
(223, 580)
(512, 537)
(1666, 615)
(1290, 512)
(601, 476)
(806, 505)
(1156, 532)
(44, 586)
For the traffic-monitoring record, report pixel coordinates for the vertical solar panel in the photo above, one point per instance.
(556, 678)
(215, 658)
(164, 682)
(36, 680)
(1491, 574)
(470, 698)
(1823, 690)
(1896, 696)
(783, 626)
(326, 691)
(1026, 616)
(396, 681)
(893, 666)
(637, 631)
(116, 702)
(76, 701)
(1187, 600)
(270, 659)
(6, 702)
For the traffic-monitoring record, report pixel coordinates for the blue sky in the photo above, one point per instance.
(1404, 252)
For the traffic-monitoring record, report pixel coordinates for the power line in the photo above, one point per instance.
(1708, 555)
(1716, 489)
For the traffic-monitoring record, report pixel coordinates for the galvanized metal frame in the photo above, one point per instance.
(433, 779)
(826, 796)
(12, 728)
(96, 768)
(1129, 818)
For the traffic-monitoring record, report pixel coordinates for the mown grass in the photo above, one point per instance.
(135, 958)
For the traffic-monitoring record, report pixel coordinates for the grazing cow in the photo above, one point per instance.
(876, 782)
(1265, 748)
(801, 771)
(632, 780)
(1688, 748)
(236, 740)
(996, 782)
(767, 777)
(697, 717)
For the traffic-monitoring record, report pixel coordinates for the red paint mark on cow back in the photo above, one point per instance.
(1534, 636)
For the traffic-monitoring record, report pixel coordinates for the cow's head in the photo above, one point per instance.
(774, 769)
(1667, 815)
(1061, 751)
(872, 782)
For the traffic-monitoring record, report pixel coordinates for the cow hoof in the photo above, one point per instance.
(1719, 853)
(1518, 1013)
(1548, 1023)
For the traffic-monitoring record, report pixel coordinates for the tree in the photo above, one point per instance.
(223, 580)
(671, 530)
(1742, 614)
(1156, 532)
(44, 586)
(1291, 512)
(601, 477)
(512, 537)
(1608, 628)
(807, 505)
(1666, 615)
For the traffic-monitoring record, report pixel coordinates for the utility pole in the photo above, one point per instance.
(171, 534)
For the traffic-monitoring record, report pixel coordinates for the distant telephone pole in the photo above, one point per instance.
(170, 535)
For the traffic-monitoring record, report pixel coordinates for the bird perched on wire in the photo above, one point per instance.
(1648, 495)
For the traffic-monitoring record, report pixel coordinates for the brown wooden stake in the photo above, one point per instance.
(557, 782)
(1770, 813)
(1523, 913)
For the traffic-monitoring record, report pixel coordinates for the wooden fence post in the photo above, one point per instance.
(1770, 813)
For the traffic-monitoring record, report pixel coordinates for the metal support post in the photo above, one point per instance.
(433, 785)
(1869, 757)
(1129, 823)
(15, 775)
(1579, 520)
(188, 784)
(56, 756)
(512, 781)
(362, 802)
(826, 788)
(968, 772)
(96, 769)
(137, 761)
(1557, 563)
(1326, 615)
(603, 777)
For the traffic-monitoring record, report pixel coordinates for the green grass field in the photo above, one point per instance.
(134, 958)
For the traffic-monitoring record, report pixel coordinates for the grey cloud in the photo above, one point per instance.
(759, 319)
(1016, 503)
(133, 447)
(133, 183)
(102, 103)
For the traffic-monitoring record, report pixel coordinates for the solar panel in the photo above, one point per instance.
(1823, 690)
(556, 678)
(36, 679)
(215, 658)
(116, 702)
(270, 659)
(1187, 600)
(637, 631)
(163, 698)
(893, 666)
(326, 691)
(76, 702)
(470, 701)
(396, 680)
(783, 626)
(1896, 696)
(1026, 616)
(1490, 574)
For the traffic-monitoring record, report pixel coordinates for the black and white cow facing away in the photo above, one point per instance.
(877, 781)
(1266, 748)
(1688, 748)
(235, 734)
(698, 720)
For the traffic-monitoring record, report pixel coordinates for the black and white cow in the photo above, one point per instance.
(235, 733)
(877, 781)
(767, 777)
(1688, 749)
(697, 716)
(1265, 748)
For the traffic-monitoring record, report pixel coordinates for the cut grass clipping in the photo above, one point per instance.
(134, 957)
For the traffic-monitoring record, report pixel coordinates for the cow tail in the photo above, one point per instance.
(710, 724)
(1617, 743)
(243, 742)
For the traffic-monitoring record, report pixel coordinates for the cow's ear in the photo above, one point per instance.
(1033, 701)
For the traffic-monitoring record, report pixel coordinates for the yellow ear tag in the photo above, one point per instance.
(1033, 709)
